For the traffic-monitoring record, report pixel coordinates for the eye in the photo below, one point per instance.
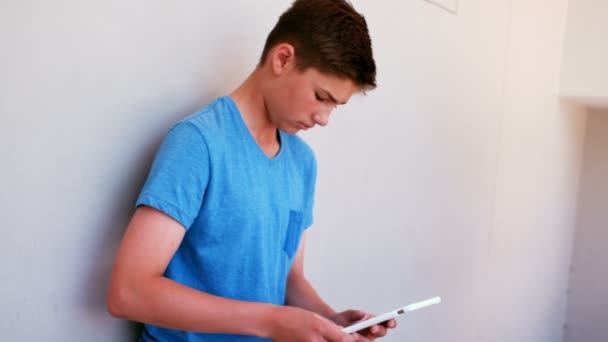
(319, 98)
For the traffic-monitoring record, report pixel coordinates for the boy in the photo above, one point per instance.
(215, 249)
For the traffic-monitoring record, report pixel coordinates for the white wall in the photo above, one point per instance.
(537, 183)
(462, 179)
(588, 300)
(407, 173)
(456, 177)
(585, 69)
(87, 91)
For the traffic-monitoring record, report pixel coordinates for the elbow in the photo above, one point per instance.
(117, 302)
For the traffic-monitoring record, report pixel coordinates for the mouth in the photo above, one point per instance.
(304, 126)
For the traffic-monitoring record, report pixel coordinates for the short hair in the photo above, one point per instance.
(328, 35)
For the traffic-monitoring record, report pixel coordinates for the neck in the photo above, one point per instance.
(250, 101)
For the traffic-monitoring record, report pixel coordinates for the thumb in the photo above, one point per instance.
(354, 315)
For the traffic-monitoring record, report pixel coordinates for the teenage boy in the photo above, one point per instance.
(215, 249)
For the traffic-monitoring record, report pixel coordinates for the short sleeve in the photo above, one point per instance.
(179, 175)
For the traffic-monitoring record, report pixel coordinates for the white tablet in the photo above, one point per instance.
(390, 315)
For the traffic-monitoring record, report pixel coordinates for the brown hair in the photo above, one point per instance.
(328, 35)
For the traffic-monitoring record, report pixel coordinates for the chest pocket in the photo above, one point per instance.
(294, 232)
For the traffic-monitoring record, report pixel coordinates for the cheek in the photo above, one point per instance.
(305, 102)
(301, 97)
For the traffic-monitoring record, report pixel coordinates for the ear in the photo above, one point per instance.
(282, 58)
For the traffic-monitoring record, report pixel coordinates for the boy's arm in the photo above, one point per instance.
(138, 291)
(300, 292)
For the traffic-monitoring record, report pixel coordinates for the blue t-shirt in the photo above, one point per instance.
(244, 212)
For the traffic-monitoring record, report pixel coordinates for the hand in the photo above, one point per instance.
(293, 324)
(350, 317)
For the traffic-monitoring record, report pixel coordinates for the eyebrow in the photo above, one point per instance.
(333, 99)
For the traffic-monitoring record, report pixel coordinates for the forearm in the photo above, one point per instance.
(300, 293)
(164, 302)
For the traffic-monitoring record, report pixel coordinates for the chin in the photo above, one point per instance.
(292, 131)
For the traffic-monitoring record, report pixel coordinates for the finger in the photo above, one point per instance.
(391, 324)
(377, 330)
(334, 333)
(363, 338)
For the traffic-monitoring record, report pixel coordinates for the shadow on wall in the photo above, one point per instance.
(219, 73)
(116, 214)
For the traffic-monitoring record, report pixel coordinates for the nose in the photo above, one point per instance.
(321, 118)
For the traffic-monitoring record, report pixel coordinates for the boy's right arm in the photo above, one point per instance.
(138, 291)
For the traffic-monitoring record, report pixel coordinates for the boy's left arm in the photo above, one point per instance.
(300, 293)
